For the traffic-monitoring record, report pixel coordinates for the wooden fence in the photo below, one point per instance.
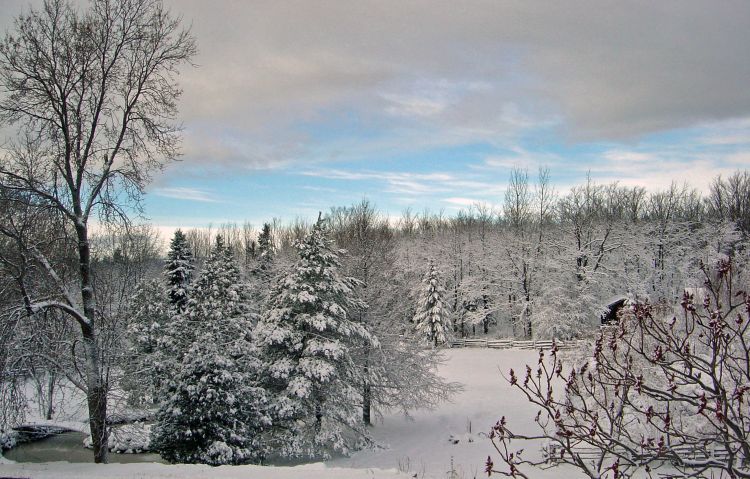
(552, 452)
(512, 344)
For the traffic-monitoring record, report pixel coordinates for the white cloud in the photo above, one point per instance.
(727, 139)
(397, 182)
(188, 194)
(482, 71)
(655, 167)
(407, 186)
(627, 157)
(461, 201)
(402, 105)
(740, 159)
(470, 203)
(521, 158)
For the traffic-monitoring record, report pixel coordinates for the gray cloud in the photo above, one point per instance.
(486, 69)
(611, 69)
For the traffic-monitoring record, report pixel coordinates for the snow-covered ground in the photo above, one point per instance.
(426, 444)
(423, 446)
(63, 470)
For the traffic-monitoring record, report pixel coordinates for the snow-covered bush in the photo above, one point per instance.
(8, 439)
(213, 415)
(127, 439)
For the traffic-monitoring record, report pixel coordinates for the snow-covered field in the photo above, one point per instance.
(424, 444)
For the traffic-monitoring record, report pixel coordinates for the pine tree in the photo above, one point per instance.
(431, 318)
(157, 326)
(218, 302)
(263, 269)
(214, 412)
(178, 270)
(265, 252)
(148, 315)
(307, 338)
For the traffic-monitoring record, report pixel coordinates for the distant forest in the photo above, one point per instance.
(543, 264)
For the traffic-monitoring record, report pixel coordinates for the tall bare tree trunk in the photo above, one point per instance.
(96, 397)
(96, 394)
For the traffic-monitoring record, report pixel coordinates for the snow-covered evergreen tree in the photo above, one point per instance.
(307, 338)
(265, 248)
(214, 412)
(218, 299)
(157, 326)
(431, 318)
(263, 268)
(178, 270)
(148, 316)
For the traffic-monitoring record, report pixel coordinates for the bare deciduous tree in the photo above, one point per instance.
(93, 98)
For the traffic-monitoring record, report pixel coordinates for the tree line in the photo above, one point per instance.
(546, 264)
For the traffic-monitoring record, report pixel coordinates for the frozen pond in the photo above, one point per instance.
(68, 446)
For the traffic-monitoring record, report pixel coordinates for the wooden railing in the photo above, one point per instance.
(552, 452)
(512, 344)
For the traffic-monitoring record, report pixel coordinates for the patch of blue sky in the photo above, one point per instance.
(347, 157)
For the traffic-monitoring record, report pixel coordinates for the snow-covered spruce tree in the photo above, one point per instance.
(307, 339)
(218, 295)
(149, 315)
(263, 267)
(431, 318)
(178, 270)
(214, 411)
(265, 248)
(156, 326)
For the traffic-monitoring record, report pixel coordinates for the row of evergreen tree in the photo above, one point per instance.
(273, 364)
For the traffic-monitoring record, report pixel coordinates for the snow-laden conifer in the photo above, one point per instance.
(178, 270)
(157, 332)
(307, 338)
(263, 267)
(431, 319)
(218, 301)
(214, 410)
(214, 413)
(265, 249)
(148, 316)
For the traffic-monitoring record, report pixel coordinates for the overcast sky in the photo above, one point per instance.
(298, 106)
